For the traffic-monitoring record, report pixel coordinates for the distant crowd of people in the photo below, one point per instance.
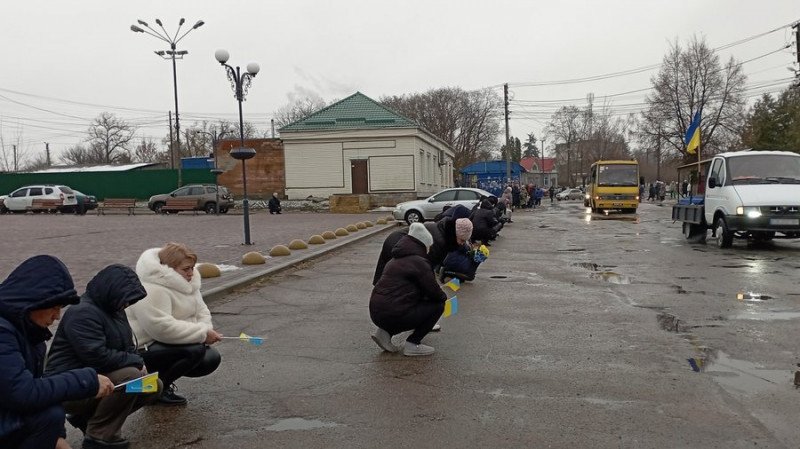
(659, 190)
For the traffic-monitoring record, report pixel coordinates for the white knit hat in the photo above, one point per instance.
(419, 232)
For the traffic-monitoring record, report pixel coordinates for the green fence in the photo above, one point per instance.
(140, 184)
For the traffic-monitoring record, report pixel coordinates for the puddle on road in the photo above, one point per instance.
(765, 315)
(298, 424)
(610, 277)
(750, 296)
(742, 376)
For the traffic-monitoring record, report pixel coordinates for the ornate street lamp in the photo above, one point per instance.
(240, 83)
(216, 171)
(173, 54)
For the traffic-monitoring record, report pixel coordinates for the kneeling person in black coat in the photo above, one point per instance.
(407, 296)
(274, 204)
(96, 333)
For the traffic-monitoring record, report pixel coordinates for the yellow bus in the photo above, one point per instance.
(613, 184)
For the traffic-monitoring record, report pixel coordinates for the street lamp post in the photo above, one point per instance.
(172, 54)
(240, 83)
(216, 170)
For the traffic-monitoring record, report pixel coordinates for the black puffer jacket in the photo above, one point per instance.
(444, 241)
(407, 279)
(483, 221)
(96, 332)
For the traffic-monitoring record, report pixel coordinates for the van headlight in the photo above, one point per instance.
(750, 212)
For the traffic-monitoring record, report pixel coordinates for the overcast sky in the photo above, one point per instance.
(66, 62)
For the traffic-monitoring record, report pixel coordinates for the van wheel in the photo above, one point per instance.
(723, 234)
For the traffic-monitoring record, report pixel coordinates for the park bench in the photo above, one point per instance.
(43, 204)
(117, 203)
(178, 204)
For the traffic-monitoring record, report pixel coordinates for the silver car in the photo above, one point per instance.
(421, 210)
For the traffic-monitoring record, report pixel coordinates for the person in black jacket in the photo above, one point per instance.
(485, 223)
(407, 295)
(96, 333)
(274, 204)
(31, 414)
(444, 240)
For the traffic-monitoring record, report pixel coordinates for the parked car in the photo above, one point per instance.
(21, 199)
(570, 194)
(205, 194)
(85, 202)
(426, 209)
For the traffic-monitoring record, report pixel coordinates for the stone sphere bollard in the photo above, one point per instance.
(208, 270)
(351, 228)
(341, 232)
(328, 235)
(253, 258)
(369, 224)
(279, 250)
(316, 240)
(361, 225)
(297, 244)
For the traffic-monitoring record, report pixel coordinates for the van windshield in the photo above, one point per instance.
(618, 175)
(760, 169)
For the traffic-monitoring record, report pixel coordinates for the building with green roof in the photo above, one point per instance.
(359, 146)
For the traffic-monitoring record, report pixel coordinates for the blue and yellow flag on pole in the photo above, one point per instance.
(144, 384)
(693, 134)
(451, 306)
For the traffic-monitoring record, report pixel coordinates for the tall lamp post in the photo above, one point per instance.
(173, 54)
(216, 170)
(240, 83)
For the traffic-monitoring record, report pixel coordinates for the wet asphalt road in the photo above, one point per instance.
(576, 333)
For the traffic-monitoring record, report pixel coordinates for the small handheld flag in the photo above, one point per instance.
(145, 384)
(450, 306)
(454, 284)
(245, 337)
(693, 134)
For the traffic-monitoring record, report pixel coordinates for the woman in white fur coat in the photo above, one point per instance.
(172, 324)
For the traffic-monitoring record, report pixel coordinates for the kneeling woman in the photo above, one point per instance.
(172, 324)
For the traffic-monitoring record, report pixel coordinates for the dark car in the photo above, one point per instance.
(85, 202)
(205, 194)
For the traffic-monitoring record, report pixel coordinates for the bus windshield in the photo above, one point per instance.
(618, 175)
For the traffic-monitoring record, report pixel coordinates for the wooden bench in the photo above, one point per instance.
(42, 204)
(117, 203)
(178, 204)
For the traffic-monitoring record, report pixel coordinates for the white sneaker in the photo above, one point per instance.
(411, 350)
(436, 327)
(384, 340)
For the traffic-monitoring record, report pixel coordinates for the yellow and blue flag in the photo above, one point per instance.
(454, 284)
(451, 306)
(693, 134)
(144, 384)
(254, 340)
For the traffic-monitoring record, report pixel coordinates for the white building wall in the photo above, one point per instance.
(318, 164)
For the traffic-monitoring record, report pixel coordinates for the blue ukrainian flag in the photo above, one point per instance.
(693, 134)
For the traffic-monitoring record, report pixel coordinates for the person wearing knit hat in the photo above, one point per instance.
(463, 229)
(406, 296)
(418, 231)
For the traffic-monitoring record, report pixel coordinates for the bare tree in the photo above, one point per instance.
(13, 154)
(567, 126)
(469, 122)
(109, 138)
(77, 155)
(147, 151)
(691, 80)
(38, 162)
(298, 110)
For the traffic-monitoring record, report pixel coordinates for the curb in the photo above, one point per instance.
(262, 271)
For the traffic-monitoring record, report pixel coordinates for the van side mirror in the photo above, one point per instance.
(712, 182)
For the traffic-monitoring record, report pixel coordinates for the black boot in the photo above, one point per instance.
(169, 397)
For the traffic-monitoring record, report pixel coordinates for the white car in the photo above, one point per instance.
(421, 210)
(21, 199)
(570, 194)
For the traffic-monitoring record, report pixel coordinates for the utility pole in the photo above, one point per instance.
(47, 152)
(171, 144)
(541, 168)
(16, 165)
(508, 144)
(796, 27)
(272, 125)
